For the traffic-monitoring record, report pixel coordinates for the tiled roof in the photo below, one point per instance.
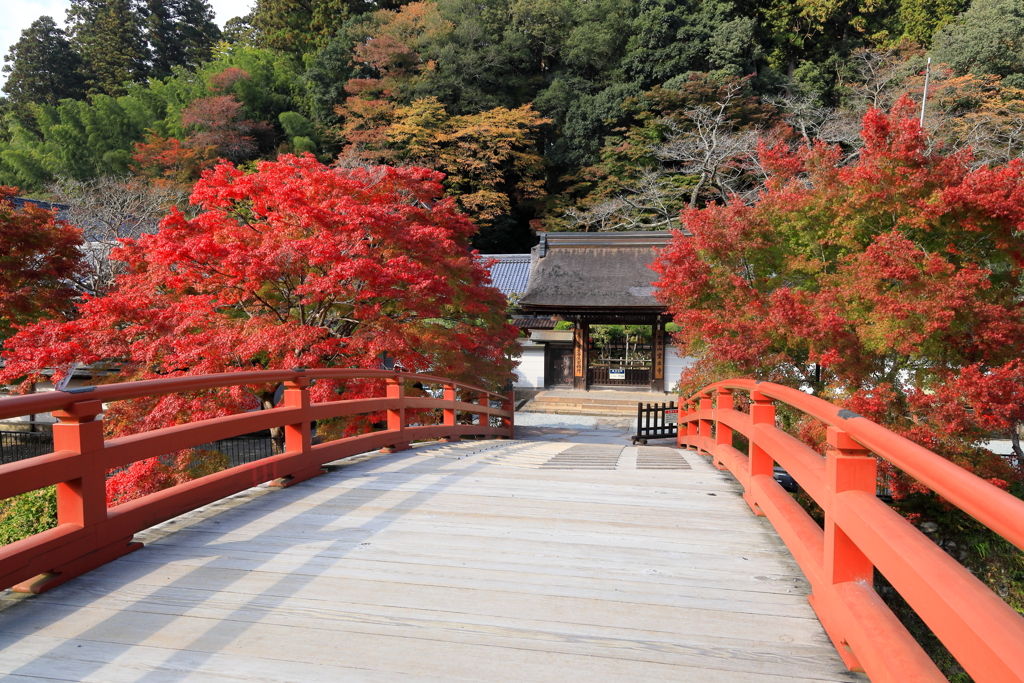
(534, 323)
(20, 202)
(510, 273)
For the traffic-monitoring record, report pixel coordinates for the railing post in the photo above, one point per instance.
(483, 419)
(691, 426)
(762, 412)
(396, 417)
(298, 437)
(848, 467)
(723, 434)
(449, 413)
(83, 501)
(509, 404)
(705, 425)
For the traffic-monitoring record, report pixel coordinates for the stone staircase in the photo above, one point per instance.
(602, 403)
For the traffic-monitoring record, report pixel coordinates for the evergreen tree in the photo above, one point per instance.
(180, 33)
(42, 67)
(986, 39)
(240, 31)
(301, 26)
(921, 18)
(108, 34)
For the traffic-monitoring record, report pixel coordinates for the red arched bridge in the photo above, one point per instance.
(566, 555)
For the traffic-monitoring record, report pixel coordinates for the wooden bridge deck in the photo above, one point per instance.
(479, 561)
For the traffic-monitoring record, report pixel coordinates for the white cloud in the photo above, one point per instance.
(19, 15)
(229, 9)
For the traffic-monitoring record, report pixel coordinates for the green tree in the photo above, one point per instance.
(298, 27)
(109, 36)
(986, 39)
(481, 63)
(240, 31)
(180, 33)
(669, 38)
(42, 67)
(920, 19)
(78, 139)
(820, 30)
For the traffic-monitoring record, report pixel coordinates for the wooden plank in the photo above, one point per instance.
(424, 566)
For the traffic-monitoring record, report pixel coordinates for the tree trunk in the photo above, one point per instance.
(276, 433)
(696, 190)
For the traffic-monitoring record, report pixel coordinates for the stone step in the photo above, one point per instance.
(581, 403)
(578, 410)
(572, 404)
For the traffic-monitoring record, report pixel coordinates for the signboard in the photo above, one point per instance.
(659, 351)
(617, 373)
(578, 349)
(672, 416)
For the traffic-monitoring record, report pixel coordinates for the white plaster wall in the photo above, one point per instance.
(530, 373)
(674, 366)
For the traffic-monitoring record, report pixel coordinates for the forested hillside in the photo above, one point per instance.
(553, 114)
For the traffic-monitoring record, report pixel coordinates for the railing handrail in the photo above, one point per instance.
(89, 534)
(861, 533)
(49, 401)
(990, 505)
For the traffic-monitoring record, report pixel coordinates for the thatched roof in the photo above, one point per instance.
(573, 273)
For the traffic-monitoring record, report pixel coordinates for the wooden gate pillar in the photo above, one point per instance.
(658, 356)
(580, 355)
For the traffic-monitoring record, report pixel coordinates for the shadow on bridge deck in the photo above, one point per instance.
(552, 559)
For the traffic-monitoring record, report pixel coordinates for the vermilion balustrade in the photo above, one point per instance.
(89, 534)
(861, 533)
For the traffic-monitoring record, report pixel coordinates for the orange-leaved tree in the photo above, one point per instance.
(295, 265)
(891, 286)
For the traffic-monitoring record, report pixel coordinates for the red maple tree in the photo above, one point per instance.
(890, 285)
(40, 257)
(295, 265)
(218, 122)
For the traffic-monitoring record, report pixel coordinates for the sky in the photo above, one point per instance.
(19, 14)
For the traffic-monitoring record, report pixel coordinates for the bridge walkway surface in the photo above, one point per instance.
(570, 556)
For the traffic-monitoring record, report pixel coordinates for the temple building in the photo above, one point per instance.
(593, 281)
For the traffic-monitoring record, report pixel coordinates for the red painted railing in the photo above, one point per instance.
(89, 534)
(983, 633)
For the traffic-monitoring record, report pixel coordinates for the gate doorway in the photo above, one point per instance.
(558, 359)
(620, 356)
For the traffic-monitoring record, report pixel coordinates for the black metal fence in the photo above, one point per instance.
(18, 445)
(613, 373)
(656, 421)
(243, 449)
